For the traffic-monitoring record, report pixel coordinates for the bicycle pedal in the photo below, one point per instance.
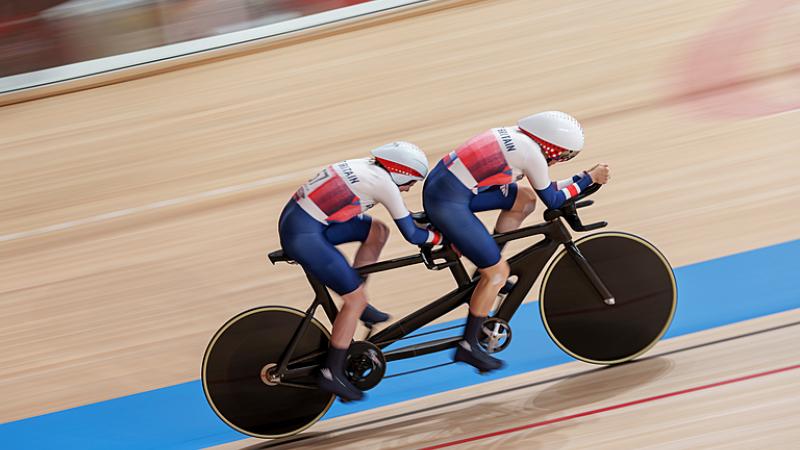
(507, 287)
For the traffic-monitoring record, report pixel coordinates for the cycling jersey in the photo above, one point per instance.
(481, 175)
(503, 156)
(451, 208)
(329, 210)
(348, 188)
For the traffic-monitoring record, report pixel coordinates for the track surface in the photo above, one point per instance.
(693, 391)
(134, 217)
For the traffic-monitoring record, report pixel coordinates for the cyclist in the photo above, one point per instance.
(329, 210)
(482, 175)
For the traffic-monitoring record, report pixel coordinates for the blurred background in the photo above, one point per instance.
(39, 34)
(135, 214)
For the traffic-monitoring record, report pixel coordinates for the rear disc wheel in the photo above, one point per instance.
(238, 373)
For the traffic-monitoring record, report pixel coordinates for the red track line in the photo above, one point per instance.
(610, 408)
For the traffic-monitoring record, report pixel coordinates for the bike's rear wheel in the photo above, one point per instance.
(643, 286)
(236, 363)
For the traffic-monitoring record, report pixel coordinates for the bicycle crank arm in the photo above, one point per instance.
(289, 374)
(424, 348)
(299, 386)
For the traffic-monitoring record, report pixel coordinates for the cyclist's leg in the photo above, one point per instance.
(524, 204)
(373, 235)
(515, 202)
(332, 268)
(304, 240)
(450, 212)
(332, 376)
(496, 197)
(320, 258)
(475, 242)
(371, 247)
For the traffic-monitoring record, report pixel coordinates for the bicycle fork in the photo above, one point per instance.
(587, 270)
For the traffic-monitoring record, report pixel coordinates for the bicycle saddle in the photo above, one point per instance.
(278, 256)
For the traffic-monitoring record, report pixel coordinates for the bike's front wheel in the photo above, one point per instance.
(642, 283)
(237, 368)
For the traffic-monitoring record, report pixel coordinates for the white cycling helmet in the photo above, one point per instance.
(404, 161)
(558, 134)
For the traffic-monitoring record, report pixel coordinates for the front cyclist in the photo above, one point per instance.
(481, 175)
(327, 211)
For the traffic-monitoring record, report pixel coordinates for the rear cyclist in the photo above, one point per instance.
(481, 175)
(327, 211)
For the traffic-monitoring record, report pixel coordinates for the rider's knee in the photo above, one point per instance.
(379, 232)
(356, 298)
(527, 202)
(497, 274)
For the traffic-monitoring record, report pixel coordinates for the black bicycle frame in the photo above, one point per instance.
(525, 265)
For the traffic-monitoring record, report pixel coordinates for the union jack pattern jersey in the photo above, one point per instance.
(496, 157)
(346, 189)
(502, 156)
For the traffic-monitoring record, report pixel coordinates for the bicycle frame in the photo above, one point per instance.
(526, 265)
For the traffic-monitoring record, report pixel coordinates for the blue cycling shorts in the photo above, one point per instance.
(313, 245)
(451, 208)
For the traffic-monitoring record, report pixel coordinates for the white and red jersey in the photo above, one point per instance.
(346, 189)
(497, 157)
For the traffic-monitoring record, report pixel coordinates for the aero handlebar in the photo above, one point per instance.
(569, 210)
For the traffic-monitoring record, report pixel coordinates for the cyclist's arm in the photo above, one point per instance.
(390, 197)
(552, 194)
(561, 184)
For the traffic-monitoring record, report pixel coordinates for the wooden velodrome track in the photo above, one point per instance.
(134, 217)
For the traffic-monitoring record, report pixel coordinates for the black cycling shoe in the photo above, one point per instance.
(373, 316)
(476, 357)
(337, 384)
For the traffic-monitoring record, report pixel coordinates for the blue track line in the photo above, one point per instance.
(710, 294)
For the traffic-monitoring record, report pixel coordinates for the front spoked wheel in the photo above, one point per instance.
(238, 373)
(643, 286)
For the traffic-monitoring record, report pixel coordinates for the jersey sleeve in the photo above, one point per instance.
(534, 166)
(554, 196)
(389, 196)
(561, 184)
(415, 234)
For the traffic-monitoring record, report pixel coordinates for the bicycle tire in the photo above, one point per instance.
(642, 282)
(232, 373)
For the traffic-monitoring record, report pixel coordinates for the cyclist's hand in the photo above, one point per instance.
(437, 235)
(600, 173)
